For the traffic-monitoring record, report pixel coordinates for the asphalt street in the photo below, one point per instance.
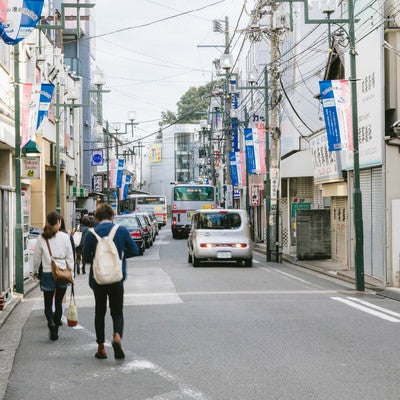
(274, 331)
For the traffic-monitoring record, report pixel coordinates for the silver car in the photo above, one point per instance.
(220, 235)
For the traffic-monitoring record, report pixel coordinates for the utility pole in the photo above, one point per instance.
(275, 127)
(227, 121)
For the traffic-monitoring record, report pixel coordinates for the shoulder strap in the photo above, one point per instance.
(113, 232)
(95, 234)
(48, 246)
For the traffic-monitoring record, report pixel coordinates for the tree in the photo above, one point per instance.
(192, 106)
(167, 118)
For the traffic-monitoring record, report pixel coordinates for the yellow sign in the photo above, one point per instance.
(155, 154)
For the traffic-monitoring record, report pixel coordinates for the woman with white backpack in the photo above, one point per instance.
(107, 280)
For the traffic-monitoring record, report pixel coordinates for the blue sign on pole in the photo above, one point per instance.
(97, 157)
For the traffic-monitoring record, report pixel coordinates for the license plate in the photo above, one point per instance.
(224, 254)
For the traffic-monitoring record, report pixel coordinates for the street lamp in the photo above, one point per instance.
(226, 63)
(19, 267)
(98, 81)
(327, 7)
(73, 96)
(252, 80)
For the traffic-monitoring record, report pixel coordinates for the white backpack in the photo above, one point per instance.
(107, 266)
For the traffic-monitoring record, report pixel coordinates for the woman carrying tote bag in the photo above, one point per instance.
(58, 243)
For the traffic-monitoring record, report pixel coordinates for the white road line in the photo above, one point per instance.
(385, 310)
(369, 309)
(184, 391)
(288, 275)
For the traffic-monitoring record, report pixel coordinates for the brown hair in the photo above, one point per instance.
(50, 229)
(104, 211)
(86, 221)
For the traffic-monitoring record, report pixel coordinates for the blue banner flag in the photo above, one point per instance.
(233, 168)
(235, 134)
(46, 94)
(250, 152)
(120, 171)
(336, 105)
(18, 18)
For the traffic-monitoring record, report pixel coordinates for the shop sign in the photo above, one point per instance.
(30, 167)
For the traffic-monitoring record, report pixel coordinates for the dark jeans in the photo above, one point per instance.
(53, 319)
(115, 295)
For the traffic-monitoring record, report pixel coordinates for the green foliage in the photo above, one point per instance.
(193, 105)
(167, 118)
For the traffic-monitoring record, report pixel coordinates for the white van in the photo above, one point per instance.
(220, 235)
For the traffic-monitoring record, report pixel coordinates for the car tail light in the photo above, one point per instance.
(136, 234)
(235, 245)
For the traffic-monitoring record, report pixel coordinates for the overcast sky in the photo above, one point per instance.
(149, 67)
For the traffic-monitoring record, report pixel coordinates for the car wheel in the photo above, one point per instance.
(248, 262)
(196, 262)
(189, 258)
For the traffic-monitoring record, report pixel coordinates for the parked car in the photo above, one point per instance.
(154, 221)
(131, 222)
(147, 229)
(220, 235)
(150, 223)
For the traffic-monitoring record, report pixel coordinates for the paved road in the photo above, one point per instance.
(213, 333)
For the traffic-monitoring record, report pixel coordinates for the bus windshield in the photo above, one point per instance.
(190, 193)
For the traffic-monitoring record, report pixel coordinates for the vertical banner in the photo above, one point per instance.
(235, 134)
(36, 100)
(112, 174)
(274, 173)
(260, 146)
(120, 170)
(250, 153)
(126, 186)
(18, 18)
(46, 94)
(233, 168)
(241, 168)
(217, 116)
(336, 104)
(257, 124)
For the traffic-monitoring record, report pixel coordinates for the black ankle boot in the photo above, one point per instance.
(53, 332)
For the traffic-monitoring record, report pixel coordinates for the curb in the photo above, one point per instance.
(324, 271)
(16, 299)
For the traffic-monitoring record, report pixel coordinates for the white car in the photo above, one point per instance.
(220, 235)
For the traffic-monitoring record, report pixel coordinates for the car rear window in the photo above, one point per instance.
(128, 222)
(218, 221)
